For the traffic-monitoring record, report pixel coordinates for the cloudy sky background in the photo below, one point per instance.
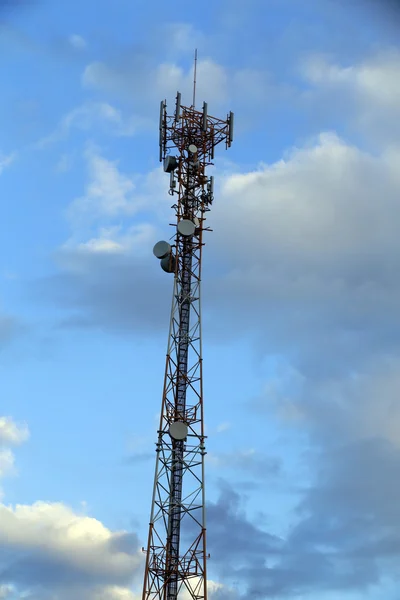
(300, 296)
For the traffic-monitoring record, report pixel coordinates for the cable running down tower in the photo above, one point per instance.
(176, 549)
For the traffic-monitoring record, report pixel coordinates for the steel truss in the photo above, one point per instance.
(176, 549)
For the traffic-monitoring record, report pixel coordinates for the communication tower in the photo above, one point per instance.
(176, 549)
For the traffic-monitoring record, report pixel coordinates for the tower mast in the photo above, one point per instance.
(176, 549)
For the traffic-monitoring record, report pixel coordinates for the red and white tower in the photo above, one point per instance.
(176, 549)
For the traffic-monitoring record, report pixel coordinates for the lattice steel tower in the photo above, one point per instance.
(176, 549)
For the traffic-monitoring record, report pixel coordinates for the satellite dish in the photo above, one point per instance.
(168, 263)
(162, 249)
(178, 430)
(186, 228)
(192, 149)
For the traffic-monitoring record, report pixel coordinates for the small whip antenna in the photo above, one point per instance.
(194, 78)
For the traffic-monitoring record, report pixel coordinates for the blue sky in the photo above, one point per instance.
(300, 294)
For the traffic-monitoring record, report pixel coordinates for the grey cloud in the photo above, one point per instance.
(350, 516)
(29, 570)
(310, 266)
(32, 568)
(308, 270)
(49, 576)
(361, 95)
(139, 458)
(49, 551)
(346, 537)
(354, 499)
(361, 406)
(236, 543)
(304, 258)
(9, 328)
(253, 463)
(73, 591)
(119, 294)
(126, 543)
(346, 534)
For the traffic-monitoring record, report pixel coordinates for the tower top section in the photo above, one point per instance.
(188, 127)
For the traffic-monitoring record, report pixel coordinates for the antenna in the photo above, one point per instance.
(178, 107)
(194, 78)
(176, 557)
(204, 116)
(163, 105)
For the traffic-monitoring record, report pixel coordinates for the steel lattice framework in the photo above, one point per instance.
(176, 549)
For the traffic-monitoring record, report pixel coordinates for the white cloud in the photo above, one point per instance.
(12, 434)
(376, 79)
(310, 205)
(309, 246)
(110, 196)
(317, 69)
(365, 95)
(362, 406)
(6, 592)
(57, 553)
(101, 245)
(220, 86)
(49, 537)
(114, 593)
(101, 115)
(50, 551)
(305, 248)
(108, 592)
(105, 242)
(109, 192)
(215, 590)
(83, 117)
(83, 542)
(182, 37)
(160, 81)
(6, 161)
(7, 462)
(77, 42)
(223, 427)
(113, 240)
(211, 82)
(310, 241)
(64, 164)
(97, 74)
